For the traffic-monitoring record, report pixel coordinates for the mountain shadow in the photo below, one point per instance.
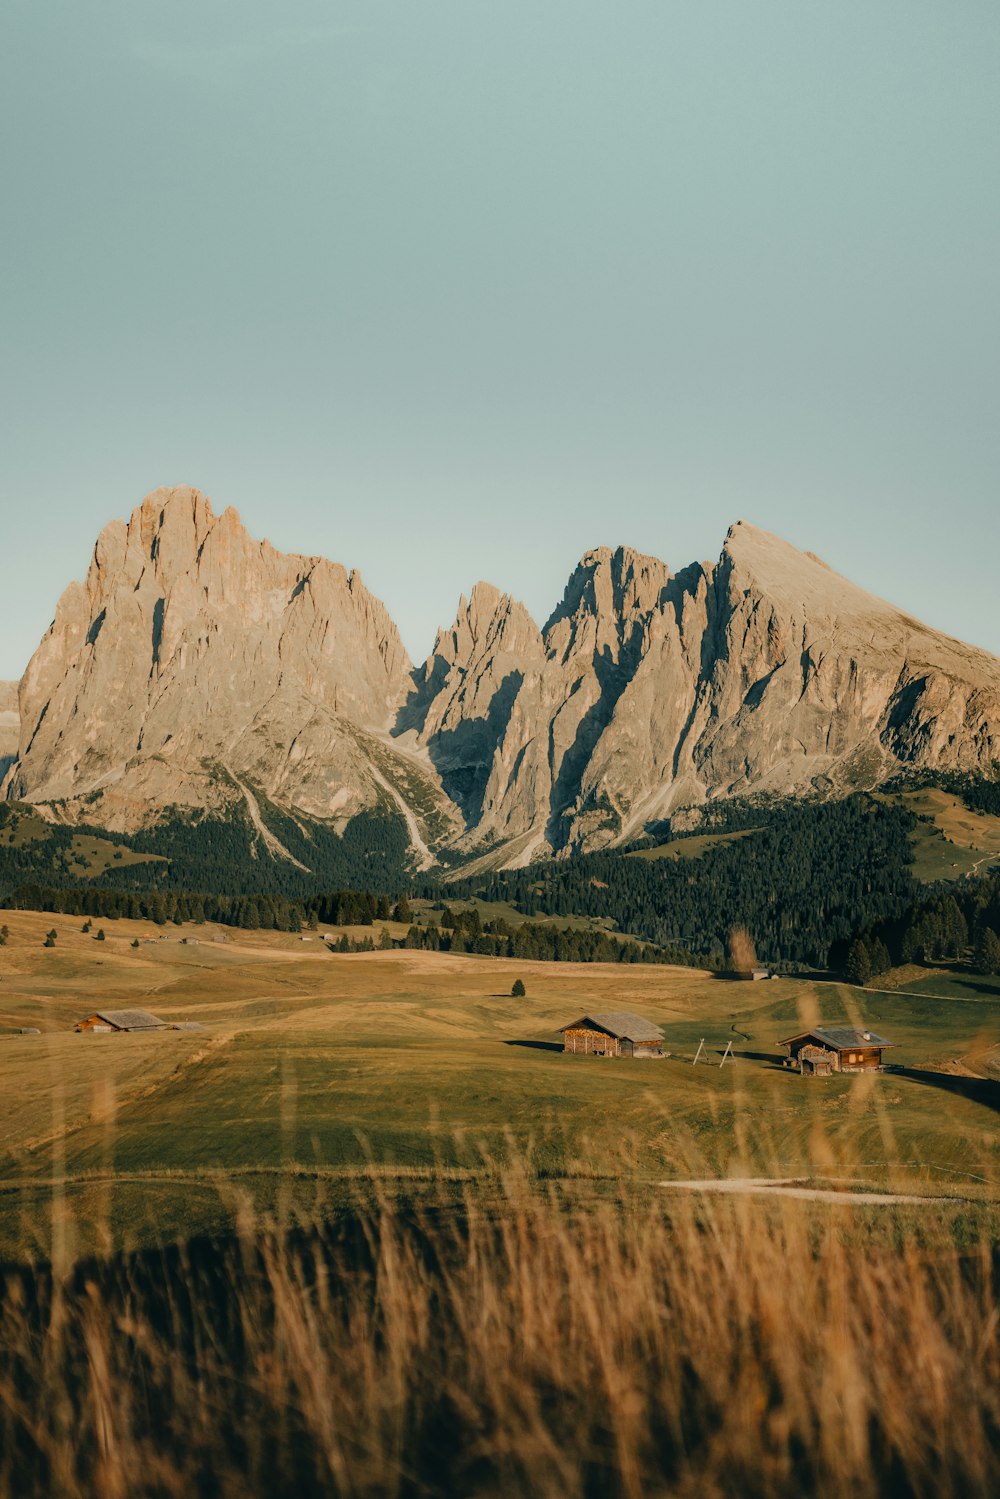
(463, 756)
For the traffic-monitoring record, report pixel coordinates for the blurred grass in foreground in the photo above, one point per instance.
(511, 1335)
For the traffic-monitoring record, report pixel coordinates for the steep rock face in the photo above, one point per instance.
(194, 659)
(9, 725)
(764, 672)
(197, 667)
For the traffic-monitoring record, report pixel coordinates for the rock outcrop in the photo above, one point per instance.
(646, 692)
(9, 726)
(196, 667)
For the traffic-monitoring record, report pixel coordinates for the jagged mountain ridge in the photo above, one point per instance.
(197, 667)
(646, 692)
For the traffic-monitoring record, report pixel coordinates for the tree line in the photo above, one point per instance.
(798, 883)
(248, 912)
(962, 923)
(464, 931)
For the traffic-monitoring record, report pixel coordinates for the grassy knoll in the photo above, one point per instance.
(692, 847)
(312, 1065)
(87, 854)
(950, 841)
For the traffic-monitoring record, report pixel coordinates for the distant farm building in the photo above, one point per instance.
(618, 1033)
(828, 1049)
(121, 1020)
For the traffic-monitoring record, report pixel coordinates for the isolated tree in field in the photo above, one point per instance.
(742, 953)
(100, 934)
(987, 957)
(86, 927)
(859, 963)
(4, 934)
(385, 941)
(50, 938)
(518, 990)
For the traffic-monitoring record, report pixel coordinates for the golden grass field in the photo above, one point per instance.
(390, 1243)
(312, 1067)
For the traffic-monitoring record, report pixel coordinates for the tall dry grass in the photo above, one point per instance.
(510, 1341)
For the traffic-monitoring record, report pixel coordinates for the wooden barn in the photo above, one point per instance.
(828, 1049)
(121, 1020)
(618, 1033)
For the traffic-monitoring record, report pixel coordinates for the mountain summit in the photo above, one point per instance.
(198, 668)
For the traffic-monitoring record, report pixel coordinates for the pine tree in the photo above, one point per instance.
(518, 990)
(987, 955)
(879, 955)
(403, 912)
(859, 963)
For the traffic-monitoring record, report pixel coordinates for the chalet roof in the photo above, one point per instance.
(131, 1020)
(623, 1024)
(840, 1037)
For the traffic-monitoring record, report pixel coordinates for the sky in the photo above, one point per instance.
(448, 289)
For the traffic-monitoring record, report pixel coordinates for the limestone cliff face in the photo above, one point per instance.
(197, 667)
(9, 725)
(646, 692)
(194, 662)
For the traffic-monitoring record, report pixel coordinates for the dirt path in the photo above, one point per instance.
(951, 999)
(790, 1186)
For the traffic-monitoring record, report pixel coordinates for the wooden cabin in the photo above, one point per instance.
(828, 1049)
(618, 1033)
(121, 1020)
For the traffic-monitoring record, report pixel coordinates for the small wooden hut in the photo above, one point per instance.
(828, 1049)
(121, 1020)
(618, 1033)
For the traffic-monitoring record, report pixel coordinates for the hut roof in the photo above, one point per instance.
(621, 1023)
(131, 1020)
(840, 1037)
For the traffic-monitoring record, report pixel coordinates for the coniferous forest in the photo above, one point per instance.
(817, 884)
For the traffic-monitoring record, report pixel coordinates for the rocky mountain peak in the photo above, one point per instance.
(196, 665)
(193, 646)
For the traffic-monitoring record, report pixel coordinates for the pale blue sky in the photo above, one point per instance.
(447, 289)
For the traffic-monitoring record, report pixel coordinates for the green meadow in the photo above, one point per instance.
(312, 1069)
